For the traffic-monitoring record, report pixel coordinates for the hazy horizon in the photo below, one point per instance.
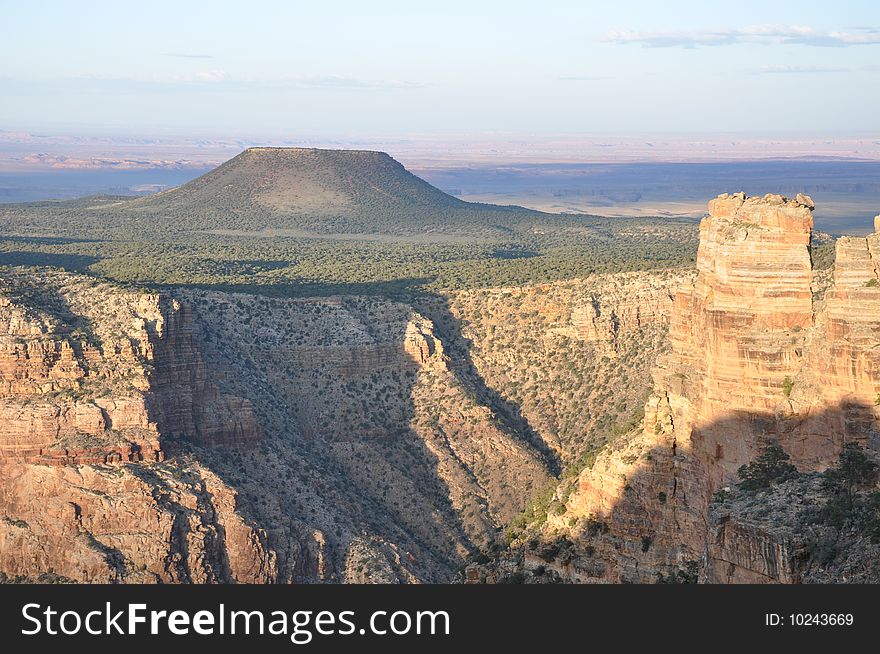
(110, 98)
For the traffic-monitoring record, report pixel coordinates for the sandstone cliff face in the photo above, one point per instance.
(742, 553)
(843, 364)
(137, 523)
(757, 353)
(187, 404)
(48, 362)
(769, 537)
(92, 375)
(738, 334)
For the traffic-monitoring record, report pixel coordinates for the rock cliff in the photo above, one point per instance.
(573, 358)
(396, 439)
(364, 386)
(97, 385)
(168, 523)
(90, 373)
(760, 350)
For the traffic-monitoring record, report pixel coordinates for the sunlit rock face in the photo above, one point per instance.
(739, 334)
(90, 373)
(760, 349)
(93, 378)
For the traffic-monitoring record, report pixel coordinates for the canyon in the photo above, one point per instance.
(215, 437)
(93, 378)
(589, 430)
(763, 349)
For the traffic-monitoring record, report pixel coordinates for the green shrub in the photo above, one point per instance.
(688, 574)
(770, 466)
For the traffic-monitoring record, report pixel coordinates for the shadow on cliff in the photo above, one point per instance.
(658, 528)
(351, 467)
(436, 308)
(449, 330)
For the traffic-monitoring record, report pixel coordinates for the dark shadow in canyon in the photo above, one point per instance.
(659, 529)
(352, 466)
(71, 262)
(397, 289)
(449, 330)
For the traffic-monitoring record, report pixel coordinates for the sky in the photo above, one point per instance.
(380, 68)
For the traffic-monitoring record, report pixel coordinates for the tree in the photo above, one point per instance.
(854, 470)
(770, 466)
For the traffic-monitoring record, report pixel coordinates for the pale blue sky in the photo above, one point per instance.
(392, 68)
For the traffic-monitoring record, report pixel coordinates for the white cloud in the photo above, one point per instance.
(777, 69)
(581, 78)
(199, 77)
(208, 76)
(758, 34)
(343, 82)
(783, 69)
(188, 55)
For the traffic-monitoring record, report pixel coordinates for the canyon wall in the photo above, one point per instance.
(165, 523)
(395, 440)
(93, 377)
(760, 350)
(572, 358)
(422, 469)
(131, 451)
(186, 403)
(407, 436)
(90, 373)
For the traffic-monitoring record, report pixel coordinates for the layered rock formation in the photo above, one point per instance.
(572, 358)
(738, 339)
(46, 364)
(130, 456)
(843, 360)
(758, 353)
(395, 440)
(771, 538)
(187, 404)
(94, 374)
(91, 375)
